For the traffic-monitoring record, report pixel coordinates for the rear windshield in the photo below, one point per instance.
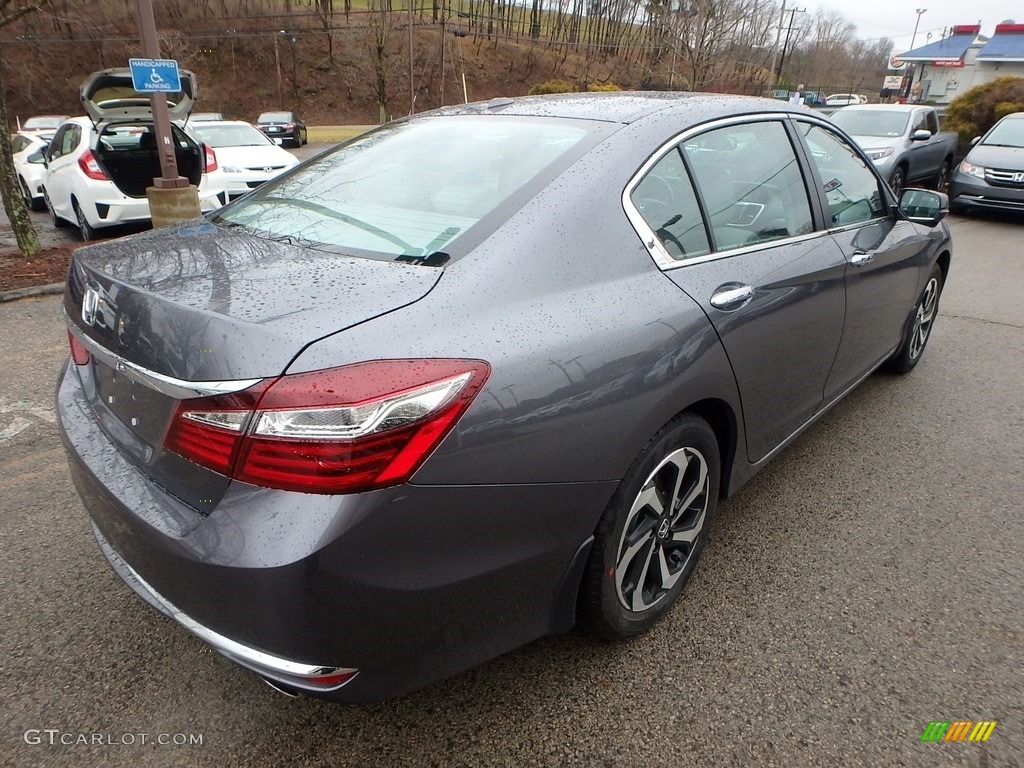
(410, 189)
(231, 135)
(872, 122)
(35, 123)
(1007, 133)
(275, 117)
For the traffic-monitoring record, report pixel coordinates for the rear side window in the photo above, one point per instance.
(410, 189)
(666, 201)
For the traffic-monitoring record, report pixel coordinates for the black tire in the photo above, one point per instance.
(942, 177)
(85, 229)
(30, 202)
(57, 221)
(644, 526)
(898, 180)
(919, 327)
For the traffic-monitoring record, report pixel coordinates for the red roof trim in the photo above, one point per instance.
(967, 29)
(1003, 29)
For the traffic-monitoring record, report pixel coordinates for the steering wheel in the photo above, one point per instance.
(667, 237)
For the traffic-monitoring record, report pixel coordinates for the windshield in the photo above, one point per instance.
(409, 189)
(275, 117)
(872, 122)
(231, 136)
(1007, 133)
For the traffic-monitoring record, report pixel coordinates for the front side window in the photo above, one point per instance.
(850, 186)
(54, 150)
(750, 182)
(410, 189)
(69, 139)
(666, 201)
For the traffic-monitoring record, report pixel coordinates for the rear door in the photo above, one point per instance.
(725, 212)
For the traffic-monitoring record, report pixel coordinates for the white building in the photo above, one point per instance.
(966, 58)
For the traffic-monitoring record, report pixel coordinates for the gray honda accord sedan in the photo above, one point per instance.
(479, 375)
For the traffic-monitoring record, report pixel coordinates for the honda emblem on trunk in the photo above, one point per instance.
(90, 303)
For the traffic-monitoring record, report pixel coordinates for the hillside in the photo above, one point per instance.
(249, 58)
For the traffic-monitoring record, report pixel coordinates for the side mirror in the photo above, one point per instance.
(975, 140)
(920, 135)
(924, 206)
(37, 158)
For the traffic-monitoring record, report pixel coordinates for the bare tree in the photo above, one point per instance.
(14, 203)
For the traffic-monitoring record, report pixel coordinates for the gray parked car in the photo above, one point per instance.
(479, 375)
(903, 141)
(991, 176)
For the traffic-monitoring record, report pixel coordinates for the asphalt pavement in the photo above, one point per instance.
(868, 582)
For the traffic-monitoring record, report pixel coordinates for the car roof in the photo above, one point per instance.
(623, 107)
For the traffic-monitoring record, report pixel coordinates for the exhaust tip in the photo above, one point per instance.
(291, 693)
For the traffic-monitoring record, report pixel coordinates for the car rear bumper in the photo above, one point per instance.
(971, 193)
(408, 585)
(112, 209)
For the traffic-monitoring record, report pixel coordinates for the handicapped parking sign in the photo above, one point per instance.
(155, 75)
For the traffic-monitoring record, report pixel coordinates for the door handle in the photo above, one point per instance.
(860, 258)
(732, 297)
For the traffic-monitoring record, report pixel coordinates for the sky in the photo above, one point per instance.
(885, 18)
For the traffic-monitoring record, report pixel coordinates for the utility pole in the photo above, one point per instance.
(785, 46)
(775, 48)
(412, 88)
(913, 66)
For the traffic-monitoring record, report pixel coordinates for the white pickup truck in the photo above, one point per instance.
(902, 140)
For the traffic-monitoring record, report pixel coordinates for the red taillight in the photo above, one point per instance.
(211, 158)
(79, 354)
(341, 430)
(91, 167)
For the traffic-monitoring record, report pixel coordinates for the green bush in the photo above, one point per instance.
(552, 86)
(976, 110)
(603, 87)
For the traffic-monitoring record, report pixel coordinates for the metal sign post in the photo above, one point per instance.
(172, 198)
(161, 117)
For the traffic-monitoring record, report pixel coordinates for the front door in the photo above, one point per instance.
(878, 248)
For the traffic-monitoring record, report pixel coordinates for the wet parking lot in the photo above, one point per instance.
(867, 583)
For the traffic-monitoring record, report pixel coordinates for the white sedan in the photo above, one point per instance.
(27, 153)
(845, 99)
(247, 157)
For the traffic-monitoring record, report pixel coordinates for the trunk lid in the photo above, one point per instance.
(200, 309)
(110, 95)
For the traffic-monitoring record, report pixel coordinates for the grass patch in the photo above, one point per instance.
(335, 133)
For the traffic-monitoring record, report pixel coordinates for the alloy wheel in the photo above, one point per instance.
(661, 529)
(924, 318)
